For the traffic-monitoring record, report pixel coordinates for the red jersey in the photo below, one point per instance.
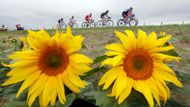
(88, 18)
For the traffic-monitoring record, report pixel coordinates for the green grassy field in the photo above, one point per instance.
(97, 38)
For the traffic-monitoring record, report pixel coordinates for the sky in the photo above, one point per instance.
(38, 14)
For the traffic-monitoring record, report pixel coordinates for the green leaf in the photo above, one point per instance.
(88, 93)
(135, 99)
(173, 40)
(173, 103)
(102, 100)
(101, 58)
(183, 76)
(171, 52)
(93, 71)
(83, 45)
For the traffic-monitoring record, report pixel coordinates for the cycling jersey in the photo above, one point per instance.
(88, 18)
(125, 13)
(59, 21)
(104, 14)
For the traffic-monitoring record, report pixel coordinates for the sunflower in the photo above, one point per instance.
(138, 63)
(50, 65)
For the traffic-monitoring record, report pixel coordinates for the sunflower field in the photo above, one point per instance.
(144, 66)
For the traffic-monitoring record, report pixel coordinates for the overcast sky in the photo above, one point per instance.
(45, 13)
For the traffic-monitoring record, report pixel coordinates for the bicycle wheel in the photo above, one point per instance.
(58, 26)
(67, 25)
(121, 22)
(62, 25)
(109, 23)
(84, 25)
(99, 24)
(133, 22)
(75, 25)
(93, 24)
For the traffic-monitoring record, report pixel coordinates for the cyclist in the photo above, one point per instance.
(71, 21)
(126, 13)
(19, 27)
(60, 21)
(104, 15)
(88, 18)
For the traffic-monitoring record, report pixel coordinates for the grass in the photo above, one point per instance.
(97, 38)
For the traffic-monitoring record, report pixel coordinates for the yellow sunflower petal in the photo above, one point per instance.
(163, 67)
(69, 33)
(21, 70)
(164, 57)
(141, 39)
(150, 41)
(79, 58)
(162, 90)
(36, 89)
(28, 82)
(155, 92)
(26, 55)
(110, 76)
(163, 40)
(70, 84)
(168, 77)
(113, 53)
(123, 39)
(54, 91)
(39, 40)
(20, 77)
(76, 80)
(74, 45)
(120, 83)
(107, 61)
(116, 47)
(79, 69)
(161, 49)
(47, 91)
(21, 63)
(60, 90)
(131, 38)
(126, 91)
(118, 60)
(146, 91)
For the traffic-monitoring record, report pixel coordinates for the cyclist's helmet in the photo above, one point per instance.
(130, 8)
(107, 11)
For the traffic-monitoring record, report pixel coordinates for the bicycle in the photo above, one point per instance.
(105, 22)
(61, 25)
(132, 21)
(72, 24)
(89, 24)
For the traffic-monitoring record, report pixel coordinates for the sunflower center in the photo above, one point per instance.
(138, 64)
(53, 61)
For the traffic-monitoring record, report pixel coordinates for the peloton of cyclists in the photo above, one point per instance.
(127, 13)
